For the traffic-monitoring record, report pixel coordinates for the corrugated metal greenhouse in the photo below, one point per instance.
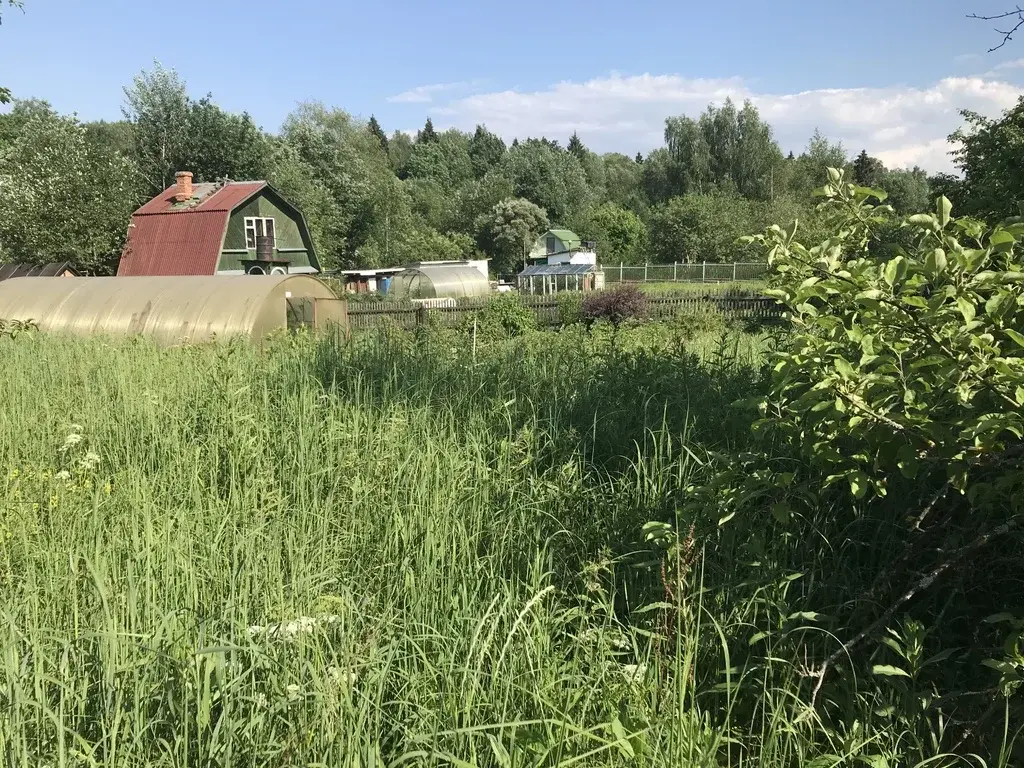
(440, 281)
(172, 310)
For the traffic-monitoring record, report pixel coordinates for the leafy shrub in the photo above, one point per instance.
(617, 305)
(704, 318)
(506, 316)
(893, 425)
(570, 306)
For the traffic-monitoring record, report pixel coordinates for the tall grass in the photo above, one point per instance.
(401, 552)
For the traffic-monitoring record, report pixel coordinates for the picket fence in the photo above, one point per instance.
(373, 314)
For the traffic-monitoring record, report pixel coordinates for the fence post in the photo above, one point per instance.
(704, 272)
(620, 271)
(734, 271)
(645, 271)
(675, 271)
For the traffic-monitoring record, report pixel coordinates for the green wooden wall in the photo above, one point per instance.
(287, 227)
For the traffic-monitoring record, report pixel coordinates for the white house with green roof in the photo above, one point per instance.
(562, 246)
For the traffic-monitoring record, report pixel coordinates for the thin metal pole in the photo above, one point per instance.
(675, 271)
(704, 272)
(734, 271)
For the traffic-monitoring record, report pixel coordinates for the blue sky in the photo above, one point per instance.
(889, 76)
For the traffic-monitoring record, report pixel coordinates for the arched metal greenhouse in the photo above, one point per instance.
(172, 309)
(441, 281)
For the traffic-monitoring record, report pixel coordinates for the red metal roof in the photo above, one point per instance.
(169, 240)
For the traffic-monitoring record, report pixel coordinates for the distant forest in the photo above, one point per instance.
(67, 188)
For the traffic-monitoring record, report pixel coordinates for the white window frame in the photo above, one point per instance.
(258, 225)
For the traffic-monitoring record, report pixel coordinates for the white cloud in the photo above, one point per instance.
(424, 94)
(1012, 64)
(901, 124)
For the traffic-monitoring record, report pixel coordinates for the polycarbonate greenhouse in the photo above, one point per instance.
(441, 281)
(552, 278)
(172, 310)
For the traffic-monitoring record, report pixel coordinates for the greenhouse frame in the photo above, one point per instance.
(440, 281)
(544, 279)
(172, 310)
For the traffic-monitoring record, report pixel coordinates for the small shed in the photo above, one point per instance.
(172, 310)
(545, 279)
(54, 269)
(367, 280)
(455, 281)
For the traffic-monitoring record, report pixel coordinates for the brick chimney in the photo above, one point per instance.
(184, 181)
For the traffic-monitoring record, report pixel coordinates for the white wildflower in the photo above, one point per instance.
(294, 692)
(91, 460)
(634, 673)
(261, 701)
(303, 625)
(343, 678)
(63, 475)
(71, 441)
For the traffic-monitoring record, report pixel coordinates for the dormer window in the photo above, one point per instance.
(552, 244)
(257, 227)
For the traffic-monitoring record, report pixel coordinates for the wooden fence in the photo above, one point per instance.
(372, 314)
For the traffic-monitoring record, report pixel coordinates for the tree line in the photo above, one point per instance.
(67, 187)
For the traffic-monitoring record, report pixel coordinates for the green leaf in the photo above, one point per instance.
(966, 308)
(782, 512)
(875, 761)
(844, 368)
(888, 670)
(935, 262)
(943, 208)
(858, 483)
(923, 220)
(806, 616)
(895, 270)
(1016, 336)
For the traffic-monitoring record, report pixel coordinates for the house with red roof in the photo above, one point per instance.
(218, 228)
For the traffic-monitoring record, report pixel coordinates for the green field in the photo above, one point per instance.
(405, 551)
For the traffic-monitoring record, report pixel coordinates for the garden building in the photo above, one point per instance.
(562, 246)
(544, 279)
(219, 228)
(173, 310)
(439, 281)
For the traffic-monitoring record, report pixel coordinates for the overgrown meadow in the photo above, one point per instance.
(665, 544)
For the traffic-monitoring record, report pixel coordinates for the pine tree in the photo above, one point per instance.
(639, 158)
(428, 134)
(867, 170)
(374, 128)
(515, 142)
(575, 147)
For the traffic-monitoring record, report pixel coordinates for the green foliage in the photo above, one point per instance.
(427, 134)
(620, 234)
(505, 316)
(908, 189)
(485, 151)
(62, 198)
(548, 177)
(444, 159)
(570, 307)
(509, 230)
(988, 156)
(374, 128)
(725, 149)
(867, 170)
(893, 416)
(702, 228)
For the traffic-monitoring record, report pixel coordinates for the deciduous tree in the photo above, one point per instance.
(508, 231)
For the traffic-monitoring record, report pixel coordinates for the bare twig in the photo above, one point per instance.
(921, 584)
(1007, 34)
